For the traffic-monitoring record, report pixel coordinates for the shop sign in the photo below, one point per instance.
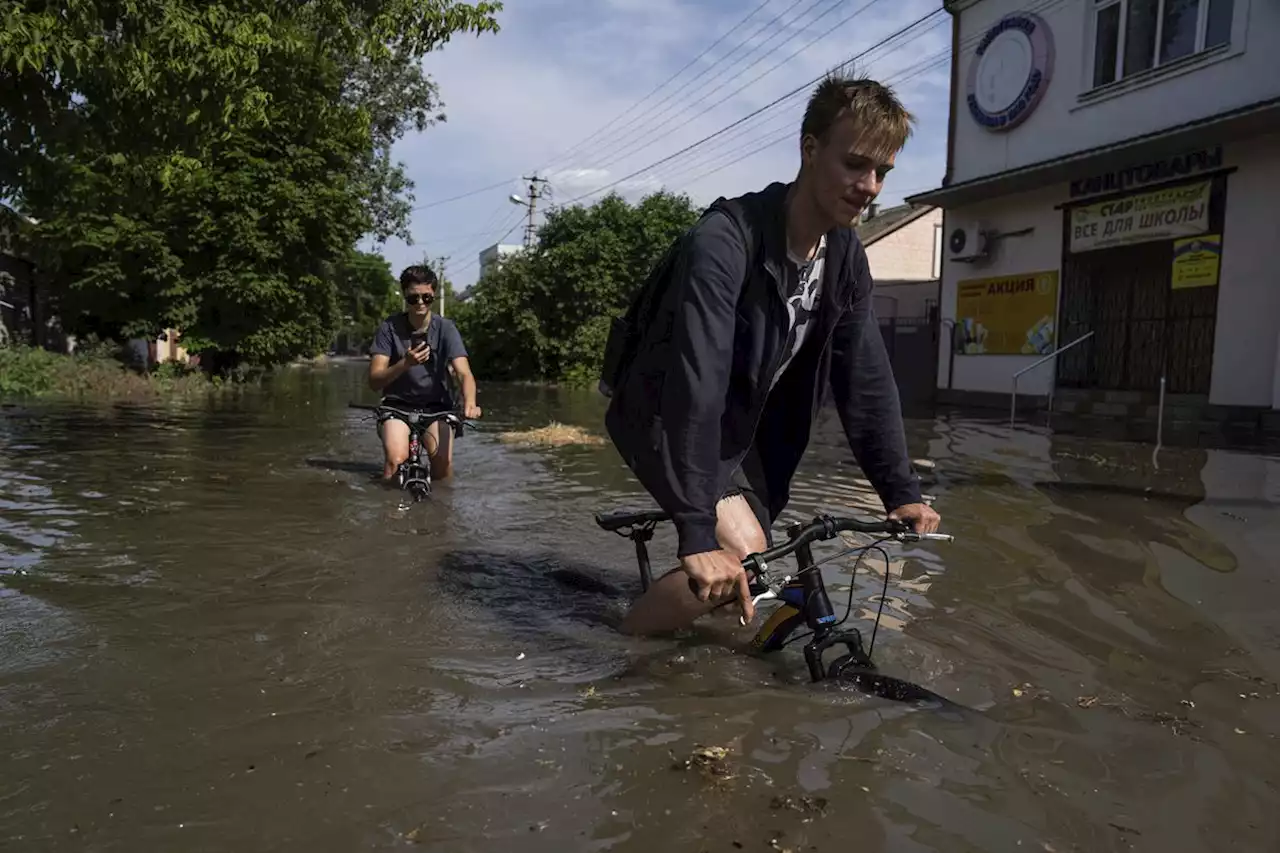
(1196, 261)
(1010, 71)
(1155, 172)
(1009, 315)
(1160, 215)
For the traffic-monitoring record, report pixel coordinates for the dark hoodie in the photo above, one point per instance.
(696, 395)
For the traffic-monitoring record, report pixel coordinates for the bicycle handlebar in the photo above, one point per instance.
(452, 418)
(826, 527)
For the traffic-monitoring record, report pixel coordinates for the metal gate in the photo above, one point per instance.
(1143, 328)
(912, 343)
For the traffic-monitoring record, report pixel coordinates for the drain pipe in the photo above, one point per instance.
(1159, 424)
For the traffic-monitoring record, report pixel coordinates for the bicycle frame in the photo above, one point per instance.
(413, 474)
(803, 595)
(805, 600)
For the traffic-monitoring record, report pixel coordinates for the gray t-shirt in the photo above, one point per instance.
(423, 384)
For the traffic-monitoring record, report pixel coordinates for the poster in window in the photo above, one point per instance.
(1159, 215)
(1008, 315)
(1196, 261)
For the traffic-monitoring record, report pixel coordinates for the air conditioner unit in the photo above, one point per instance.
(966, 242)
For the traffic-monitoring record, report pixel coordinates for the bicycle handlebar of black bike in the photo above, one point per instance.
(453, 418)
(826, 527)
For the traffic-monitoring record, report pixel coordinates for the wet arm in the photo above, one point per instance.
(382, 373)
(462, 369)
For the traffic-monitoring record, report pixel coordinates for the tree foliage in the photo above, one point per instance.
(367, 293)
(206, 165)
(545, 314)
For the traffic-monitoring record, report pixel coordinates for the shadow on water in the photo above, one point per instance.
(531, 591)
(370, 470)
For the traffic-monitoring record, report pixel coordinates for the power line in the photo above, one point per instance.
(573, 149)
(789, 132)
(618, 134)
(937, 60)
(438, 202)
(655, 131)
(669, 116)
(751, 114)
(1043, 6)
(719, 149)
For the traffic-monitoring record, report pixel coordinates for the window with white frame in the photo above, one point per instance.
(1131, 36)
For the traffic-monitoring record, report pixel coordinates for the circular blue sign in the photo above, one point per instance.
(1010, 71)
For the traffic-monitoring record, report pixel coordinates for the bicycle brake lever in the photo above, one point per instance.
(764, 596)
(927, 537)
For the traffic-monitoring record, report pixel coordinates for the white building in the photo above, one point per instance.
(1114, 169)
(904, 250)
(495, 253)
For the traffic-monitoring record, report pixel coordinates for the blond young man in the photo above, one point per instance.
(768, 298)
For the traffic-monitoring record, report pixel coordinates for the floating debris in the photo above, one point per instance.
(711, 761)
(805, 804)
(554, 434)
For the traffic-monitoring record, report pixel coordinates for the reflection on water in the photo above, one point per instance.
(218, 633)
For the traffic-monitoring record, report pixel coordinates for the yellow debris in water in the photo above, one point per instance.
(553, 434)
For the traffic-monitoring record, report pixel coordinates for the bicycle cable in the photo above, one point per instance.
(862, 553)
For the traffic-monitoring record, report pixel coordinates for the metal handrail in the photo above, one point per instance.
(1013, 397)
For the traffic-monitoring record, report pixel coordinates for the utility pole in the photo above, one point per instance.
(438, 267)
(443, 287)
(537, 190)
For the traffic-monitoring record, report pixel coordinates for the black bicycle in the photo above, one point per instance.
(803, 595)
(414, 474)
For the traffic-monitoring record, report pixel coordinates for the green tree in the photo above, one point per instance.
(203, 165)
(367, 293)
(546, 314)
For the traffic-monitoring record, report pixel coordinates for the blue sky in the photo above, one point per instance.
(531, 96)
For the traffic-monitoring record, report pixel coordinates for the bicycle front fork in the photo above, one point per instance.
(821, 618)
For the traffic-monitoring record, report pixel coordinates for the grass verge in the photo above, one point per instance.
(27, 372)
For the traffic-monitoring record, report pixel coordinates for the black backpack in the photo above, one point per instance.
(627, 330)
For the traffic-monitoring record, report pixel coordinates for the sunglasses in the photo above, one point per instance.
(415, 298)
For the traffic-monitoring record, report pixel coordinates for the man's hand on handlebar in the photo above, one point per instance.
(471, 411)
(716, 574)
(920, 517)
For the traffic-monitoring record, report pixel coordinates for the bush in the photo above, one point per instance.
(34, 372)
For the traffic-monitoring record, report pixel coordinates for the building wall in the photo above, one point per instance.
(1248, 325)
(905, 265)
(1038, 251)
(908, 254)
(1246, 359)
(1072, 118)
(495, 253)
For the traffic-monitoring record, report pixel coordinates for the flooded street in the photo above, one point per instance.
(217, 634)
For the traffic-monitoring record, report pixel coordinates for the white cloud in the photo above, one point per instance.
(555, 74)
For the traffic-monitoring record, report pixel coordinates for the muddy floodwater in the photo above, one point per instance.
(217, 634)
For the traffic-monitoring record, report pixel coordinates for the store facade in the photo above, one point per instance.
(1112, 180)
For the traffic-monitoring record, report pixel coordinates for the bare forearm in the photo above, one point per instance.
(379, 379)
(468, 383)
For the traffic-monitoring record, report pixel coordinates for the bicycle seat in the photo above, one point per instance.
(617, 519)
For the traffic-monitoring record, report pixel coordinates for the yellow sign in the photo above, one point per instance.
(1196, 260)
(1160, 215)
(1010, 315)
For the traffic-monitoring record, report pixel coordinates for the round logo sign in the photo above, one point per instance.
(1010, 71)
